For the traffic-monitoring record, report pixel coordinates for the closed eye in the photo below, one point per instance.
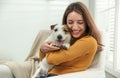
(81, 22)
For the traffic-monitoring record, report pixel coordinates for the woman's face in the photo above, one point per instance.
(76, 23)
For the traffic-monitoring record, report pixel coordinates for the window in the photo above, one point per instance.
(118, 35)
(108, 20)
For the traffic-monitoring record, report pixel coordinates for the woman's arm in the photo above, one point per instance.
(80, 47)
(46, 47)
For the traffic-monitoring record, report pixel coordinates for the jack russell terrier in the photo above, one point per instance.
(61, 38)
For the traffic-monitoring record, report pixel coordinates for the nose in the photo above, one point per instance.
(75, 26)
(59, 37)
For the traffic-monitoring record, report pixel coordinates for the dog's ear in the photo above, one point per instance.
(52, 26)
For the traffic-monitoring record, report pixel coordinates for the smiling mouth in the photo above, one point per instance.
(76, 32)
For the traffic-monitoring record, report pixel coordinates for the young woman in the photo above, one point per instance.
(85, 42)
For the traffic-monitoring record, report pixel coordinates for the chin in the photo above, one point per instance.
(76, 36)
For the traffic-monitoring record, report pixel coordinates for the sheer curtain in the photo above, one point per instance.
(108, 20)
(118, 36)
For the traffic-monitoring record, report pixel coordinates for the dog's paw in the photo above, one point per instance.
(39, 73)
(43, 71)
(34, 77)
(65, 46)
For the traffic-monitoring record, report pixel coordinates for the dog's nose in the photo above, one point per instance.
(59, 37)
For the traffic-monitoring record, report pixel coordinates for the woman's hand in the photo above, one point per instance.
(46, 47)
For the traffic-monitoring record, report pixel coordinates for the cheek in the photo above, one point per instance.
(83, 28)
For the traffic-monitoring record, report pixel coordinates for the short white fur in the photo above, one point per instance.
(65, 37)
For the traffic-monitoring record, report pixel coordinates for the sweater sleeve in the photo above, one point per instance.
(79, 48)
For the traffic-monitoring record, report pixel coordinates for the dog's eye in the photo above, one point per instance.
(56, 30)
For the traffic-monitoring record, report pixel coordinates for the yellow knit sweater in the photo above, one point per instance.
(77, 58)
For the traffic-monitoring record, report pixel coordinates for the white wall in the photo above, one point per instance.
(21, 20)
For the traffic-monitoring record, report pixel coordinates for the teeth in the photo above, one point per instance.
(75, 32)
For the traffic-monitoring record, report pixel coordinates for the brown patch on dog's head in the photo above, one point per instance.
(66, 29)
(53, 26)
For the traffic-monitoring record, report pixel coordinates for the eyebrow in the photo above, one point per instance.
(77, 20)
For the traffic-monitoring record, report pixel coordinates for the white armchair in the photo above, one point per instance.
(96, 70)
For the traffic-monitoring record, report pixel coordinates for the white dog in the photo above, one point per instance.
(61, 37)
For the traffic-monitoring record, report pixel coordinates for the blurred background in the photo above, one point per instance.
(21, 20)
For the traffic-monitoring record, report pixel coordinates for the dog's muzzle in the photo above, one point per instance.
(59, 41)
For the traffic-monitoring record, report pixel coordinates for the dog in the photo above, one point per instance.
(61, 37)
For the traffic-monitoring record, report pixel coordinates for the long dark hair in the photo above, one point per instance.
(91, 28)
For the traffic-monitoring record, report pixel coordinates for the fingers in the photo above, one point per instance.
(46, 47)
(50, 48)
